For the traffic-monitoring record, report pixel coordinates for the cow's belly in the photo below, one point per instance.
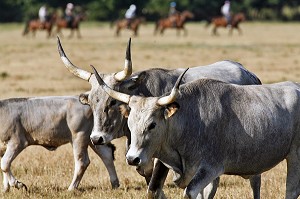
(252, 162)
(52, 138)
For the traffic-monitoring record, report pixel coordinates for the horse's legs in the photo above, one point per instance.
(185, 31)
(178, 31)
(135, 30)
(78, 33)
(240, 30)
(71, 34)
(118, 31)
(215, 31)
(162, 30)
(58, 32)
(230, 31)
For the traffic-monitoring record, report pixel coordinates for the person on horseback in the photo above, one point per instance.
(69, 16)
(130, 15)
(225, 10)
(43, 15)
(173, 13)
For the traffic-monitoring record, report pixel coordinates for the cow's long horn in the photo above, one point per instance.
(172, 97)
(71, 67)
(114, 94)
(120, 76)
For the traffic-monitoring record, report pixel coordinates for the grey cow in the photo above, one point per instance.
(208, 128)
(110, 124)
(49, 122)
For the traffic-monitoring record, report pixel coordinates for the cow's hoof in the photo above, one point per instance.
(20, 185)
(115, 184)
(150, 194)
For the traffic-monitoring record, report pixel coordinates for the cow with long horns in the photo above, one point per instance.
(108, 120)
(207, 128)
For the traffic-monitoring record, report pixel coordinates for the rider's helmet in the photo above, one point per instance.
(70, 6)
(132, 7)
(173, 4)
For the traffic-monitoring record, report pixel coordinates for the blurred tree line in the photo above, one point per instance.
(108, 10)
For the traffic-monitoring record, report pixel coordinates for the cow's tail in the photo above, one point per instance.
(26, 29)
(113, 149)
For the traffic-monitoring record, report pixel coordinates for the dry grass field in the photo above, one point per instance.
(32, 67)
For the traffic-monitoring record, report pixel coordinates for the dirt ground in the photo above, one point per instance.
(32, 67)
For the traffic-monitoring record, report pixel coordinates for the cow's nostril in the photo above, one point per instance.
(100, 140)
(136, 161)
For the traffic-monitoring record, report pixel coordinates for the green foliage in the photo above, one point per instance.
(108, 10)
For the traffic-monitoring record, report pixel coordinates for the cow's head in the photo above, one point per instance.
(107, 118)
(147, 121)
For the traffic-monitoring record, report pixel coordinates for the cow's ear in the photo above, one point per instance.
(171, 109)
(83, 98)
(124, 109)
(135, 81)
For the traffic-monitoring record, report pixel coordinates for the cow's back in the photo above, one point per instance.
(157, 81)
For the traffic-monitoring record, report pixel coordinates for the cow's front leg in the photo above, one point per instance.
(159, 175)
(13, 149)
(203, 176)
(106, 153)
(81, 159)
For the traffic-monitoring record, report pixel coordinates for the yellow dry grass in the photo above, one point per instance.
(32, 67)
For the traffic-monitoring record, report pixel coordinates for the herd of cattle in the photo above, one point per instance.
(200, 123)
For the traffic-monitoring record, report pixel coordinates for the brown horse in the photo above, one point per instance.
(236, 19)
(35, 24)
(175, 21)
(124, 23)
(62, 23)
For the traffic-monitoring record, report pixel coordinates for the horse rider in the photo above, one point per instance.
(173, 13)
(225, 10)
(43, 15)
(69, 15)
(130, 15)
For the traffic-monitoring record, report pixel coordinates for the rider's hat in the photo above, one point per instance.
(173, 4)
(70, 6)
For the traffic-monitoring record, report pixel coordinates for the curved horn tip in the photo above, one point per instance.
(128, 51)
(60, 49)
(100, 80)
(177, 84)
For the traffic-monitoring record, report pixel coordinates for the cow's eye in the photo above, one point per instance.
(151, 126)
(113, 102)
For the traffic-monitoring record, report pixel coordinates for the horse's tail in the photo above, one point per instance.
(208, 22)
(112, 24)
(156, 26)
(26, 29)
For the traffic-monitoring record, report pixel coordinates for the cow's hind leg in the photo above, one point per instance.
(255, 182)
(293, 174)
(81, 159)
(106, 153)
(13, 149)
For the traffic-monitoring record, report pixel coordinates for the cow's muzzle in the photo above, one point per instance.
(133, 161)
(97, 140)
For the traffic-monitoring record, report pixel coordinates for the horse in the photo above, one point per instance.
(175, 21)
(236, 19)
(35, 24)
(74, 25)
(133, 25)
